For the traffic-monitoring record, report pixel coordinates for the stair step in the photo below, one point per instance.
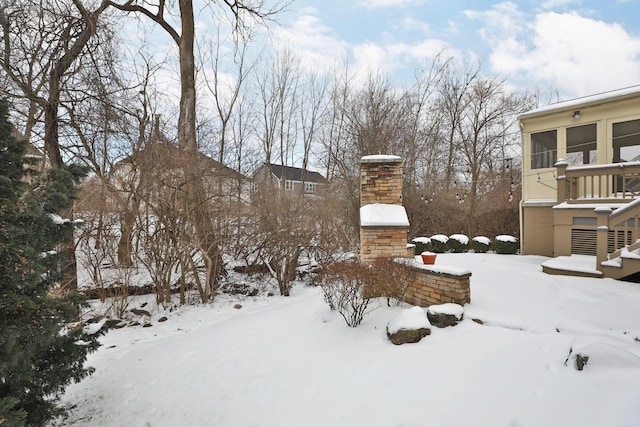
(635, 254)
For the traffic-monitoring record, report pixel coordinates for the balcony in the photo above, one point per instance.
(614, 192)
(614, 182)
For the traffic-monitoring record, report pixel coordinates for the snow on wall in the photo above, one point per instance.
(381, 215)
(380, 158)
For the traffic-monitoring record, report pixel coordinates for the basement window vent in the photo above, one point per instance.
(583, 242)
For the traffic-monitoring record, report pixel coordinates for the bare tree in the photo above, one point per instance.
(313, 109)
(40, 49)
(278, 103)
(184, 37)
(40, 44)
(453, 98)
(225, 87)
(487, 125)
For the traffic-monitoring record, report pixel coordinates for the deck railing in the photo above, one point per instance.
(608, 182)
(616, 183)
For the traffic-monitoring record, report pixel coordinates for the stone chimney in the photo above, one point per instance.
(381, 180)
(383, 219)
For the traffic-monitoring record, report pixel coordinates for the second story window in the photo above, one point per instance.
(288, 185)
(544, 149)
(310, 187)
(581, 145)
(626, 141)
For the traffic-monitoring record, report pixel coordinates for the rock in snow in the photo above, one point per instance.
(444, 315)
(409, 327)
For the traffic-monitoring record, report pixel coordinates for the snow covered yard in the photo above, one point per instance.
(291, 362)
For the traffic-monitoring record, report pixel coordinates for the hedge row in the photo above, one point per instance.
(440, 243)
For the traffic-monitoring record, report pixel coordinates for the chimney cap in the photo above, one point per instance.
(381, 158)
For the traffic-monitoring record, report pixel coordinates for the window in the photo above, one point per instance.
(544, 149)
(310, 187)
(581, 145)
(288, 185)
(579, 220)
(626, 141)
(626, 148)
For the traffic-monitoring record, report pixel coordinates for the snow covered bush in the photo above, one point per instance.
(458, 243)
(439, 243)
(505, 244)
(342, 286)
(480, 244)
(348, 286)
(423, 244)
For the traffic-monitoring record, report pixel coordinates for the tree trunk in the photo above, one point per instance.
(196, 195)
(126, 239)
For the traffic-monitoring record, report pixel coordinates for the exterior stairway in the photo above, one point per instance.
(622, 263)
(613, 188)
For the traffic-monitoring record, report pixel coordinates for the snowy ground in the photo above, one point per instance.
(291, 362)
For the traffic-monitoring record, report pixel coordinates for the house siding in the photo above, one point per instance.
(546, 231)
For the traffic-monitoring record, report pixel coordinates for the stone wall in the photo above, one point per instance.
(428, 286)
(382, 242)
(381, 185)
(381, 180)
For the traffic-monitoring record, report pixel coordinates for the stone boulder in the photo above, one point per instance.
(444, 315)
(409, 327)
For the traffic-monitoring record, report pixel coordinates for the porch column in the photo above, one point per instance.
(602, 235)
(561, 178)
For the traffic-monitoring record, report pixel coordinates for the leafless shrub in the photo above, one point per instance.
(349, 286)
(285, 228)
(343, 288)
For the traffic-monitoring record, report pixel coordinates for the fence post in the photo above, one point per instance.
(561, 178)
(602, 235)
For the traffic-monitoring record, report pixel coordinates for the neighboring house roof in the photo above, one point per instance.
(31, 150)
(585, 101)
(296, 174)
(168, 154)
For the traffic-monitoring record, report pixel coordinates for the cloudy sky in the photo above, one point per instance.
(578, 47)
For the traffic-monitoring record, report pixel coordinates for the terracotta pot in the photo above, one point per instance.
(428, 258)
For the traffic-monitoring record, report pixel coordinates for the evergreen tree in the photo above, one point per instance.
(41, 351)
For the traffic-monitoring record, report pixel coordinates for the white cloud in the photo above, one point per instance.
(585, 55)
(382, 4)
(410, 25)
(554, 4)
(319, 48)
(503, 21)
(581, 55)
(314, 43)
(394, 58)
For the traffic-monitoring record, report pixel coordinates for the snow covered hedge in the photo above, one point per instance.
(480, 244)
(505, 244)
(439, 243)
(458, 243)
(423, 244)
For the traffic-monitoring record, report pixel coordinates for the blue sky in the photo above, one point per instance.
(579, 47)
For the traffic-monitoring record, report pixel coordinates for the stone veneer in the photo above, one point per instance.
(382, 242)
(381, 183)
(428, 286)
(381, 180)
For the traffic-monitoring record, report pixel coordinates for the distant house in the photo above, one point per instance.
(581, 181)
(33, 153)
(289, 178)
(164, 162)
